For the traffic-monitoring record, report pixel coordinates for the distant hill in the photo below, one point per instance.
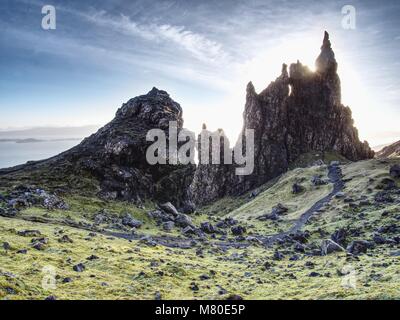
(391, 151)
(48, 133)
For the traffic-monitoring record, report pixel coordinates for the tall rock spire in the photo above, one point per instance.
(326, 61)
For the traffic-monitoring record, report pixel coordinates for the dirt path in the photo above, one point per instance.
(335, 177)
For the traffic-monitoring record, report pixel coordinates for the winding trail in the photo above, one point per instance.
(335, 177)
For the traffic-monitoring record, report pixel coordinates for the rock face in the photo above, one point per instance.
(391, 151)
(116, 154)
(300, 112)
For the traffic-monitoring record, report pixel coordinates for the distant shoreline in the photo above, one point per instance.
(32, 140)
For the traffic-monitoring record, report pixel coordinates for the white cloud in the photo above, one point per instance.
(196, 44)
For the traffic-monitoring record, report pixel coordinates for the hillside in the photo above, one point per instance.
(318, 218)
(390, 151)
(218, 262)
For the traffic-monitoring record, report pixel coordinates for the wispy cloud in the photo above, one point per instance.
(196, 44)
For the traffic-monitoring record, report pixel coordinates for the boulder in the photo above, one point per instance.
(339, 237)
(168, 207)
(297, 188)
(127, 220)
(168, 225)
(80, 267)
(395, 171)
(358, 247)
(318, 181)
(183, 221)
(328, 246)
(207, 227)
(238, 230)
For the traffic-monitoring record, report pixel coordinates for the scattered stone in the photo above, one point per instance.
(378, 239)
(297, 188)
(51, 298)
(6, 246)
(29, 233)
(318, 181)
(386, 184)
(207, 227)
(383, 197)
(168, 207)
(65, 239)
(168, 225)
(80, 267)
(204, 277)
(128, 221)
(234, 297)
(182, 220)
(194, 287)
(189, 230)
(278, 256)
(39, 244)
(329, 246)
(92, 257)
(395, 171)
(22, 251)
(157, 296)
(314, 274)
(358, 247)
(66, 280)
(238, 230)
(340, 236)
(340, 195)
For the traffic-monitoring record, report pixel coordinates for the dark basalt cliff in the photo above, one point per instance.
(116, 155)
(300, 112)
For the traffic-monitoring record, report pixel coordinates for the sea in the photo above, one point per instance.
(13, 153)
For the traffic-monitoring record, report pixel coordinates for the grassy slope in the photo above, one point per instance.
(116, 275)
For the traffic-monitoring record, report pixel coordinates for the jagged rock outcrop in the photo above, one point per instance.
(391, 151)
(300, 112)
(116, 154)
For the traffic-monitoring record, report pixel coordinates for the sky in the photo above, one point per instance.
(203, 53)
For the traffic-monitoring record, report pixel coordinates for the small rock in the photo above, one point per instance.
(168, 225)
(317, 181)
(238, 230)
(297, 188)
(128, 221)
(65, 239)
(314, 274)
(358, 247)
(278, 256)
(194, 287)
(29, 233)
(6, 246)
(66, 280)
(80, 267)
(395, 171)
(157, 296)
(207, 227)
(234, 297)
(169, 208)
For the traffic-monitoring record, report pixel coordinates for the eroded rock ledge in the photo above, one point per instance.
(300, 112)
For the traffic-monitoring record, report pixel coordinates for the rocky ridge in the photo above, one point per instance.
(300, 112)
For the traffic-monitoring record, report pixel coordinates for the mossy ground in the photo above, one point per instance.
(133, 270)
